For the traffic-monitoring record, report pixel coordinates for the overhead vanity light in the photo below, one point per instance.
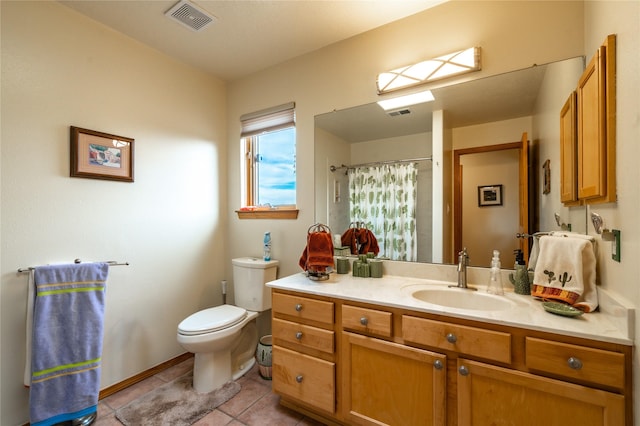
(456, 63)
(406, 100)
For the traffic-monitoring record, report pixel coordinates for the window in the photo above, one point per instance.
(269, 152)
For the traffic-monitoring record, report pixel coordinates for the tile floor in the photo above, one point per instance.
(255, 404)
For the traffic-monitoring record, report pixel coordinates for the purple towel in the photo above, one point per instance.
(68, 328)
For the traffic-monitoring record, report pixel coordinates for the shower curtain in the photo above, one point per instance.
(384, 198)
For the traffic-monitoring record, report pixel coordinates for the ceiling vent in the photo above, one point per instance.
(397, 112)
(191, 16)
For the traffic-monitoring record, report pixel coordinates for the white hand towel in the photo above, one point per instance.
(566, 271)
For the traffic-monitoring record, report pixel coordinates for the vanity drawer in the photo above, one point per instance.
(576, 362)
(305, 378)
(367, 320)
(303, 308)
(303, 335)
(492, 345)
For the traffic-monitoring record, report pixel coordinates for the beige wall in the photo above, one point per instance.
(621, 18)
(59, 69)
(490, 228)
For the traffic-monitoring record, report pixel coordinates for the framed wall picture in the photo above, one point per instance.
(98, 155)
(489, 195)
(546, 167)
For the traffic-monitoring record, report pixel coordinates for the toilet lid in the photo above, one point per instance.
(212, 319)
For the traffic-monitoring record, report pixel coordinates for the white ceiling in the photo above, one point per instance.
(248, 35)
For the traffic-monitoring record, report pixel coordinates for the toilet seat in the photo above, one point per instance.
(211, 320)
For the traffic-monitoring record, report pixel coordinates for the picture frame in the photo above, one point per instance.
(546, 167)
(489, 195)
(99, 155)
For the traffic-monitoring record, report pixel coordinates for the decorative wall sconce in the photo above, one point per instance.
(456, 63)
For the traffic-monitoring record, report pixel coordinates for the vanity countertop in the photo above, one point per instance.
(612, 322)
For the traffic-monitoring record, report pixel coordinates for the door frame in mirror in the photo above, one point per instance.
(523, 190)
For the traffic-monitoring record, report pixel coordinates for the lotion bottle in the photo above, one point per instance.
(495, 279)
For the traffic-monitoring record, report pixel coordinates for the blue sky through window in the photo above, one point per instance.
(277, 167)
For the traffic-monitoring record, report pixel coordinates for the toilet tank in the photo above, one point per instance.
(249, 277)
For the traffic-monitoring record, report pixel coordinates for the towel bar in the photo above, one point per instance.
(110, 262)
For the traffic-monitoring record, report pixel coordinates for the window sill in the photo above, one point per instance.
(268, 214)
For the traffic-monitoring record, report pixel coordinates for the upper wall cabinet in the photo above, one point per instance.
(568, 151)
(588, 133)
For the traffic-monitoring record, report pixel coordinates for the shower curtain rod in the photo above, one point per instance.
(376, 163)
(110, 262)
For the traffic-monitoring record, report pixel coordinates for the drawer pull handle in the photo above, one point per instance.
(298, 307)
(451, 338)
(438, 365)
(574, 363)
(364, 321)
(464, 371)
(299, 378)
(299, 335)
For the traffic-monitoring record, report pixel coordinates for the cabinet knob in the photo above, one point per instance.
(464, 371)
(299, 335)
(451, 338)
(438, 365)
(574, 363)
(299, 378)
(298, 307)
(364, 321)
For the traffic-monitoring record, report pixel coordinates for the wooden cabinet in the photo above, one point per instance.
(475, 341)
(386, 383)
(568, 152)
(354, 363)
(304, 378)
(576, 363)
(304, 367)
(487, 393)
(366, 320)
(587, 133)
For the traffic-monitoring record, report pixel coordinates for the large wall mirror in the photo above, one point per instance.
(478, 122)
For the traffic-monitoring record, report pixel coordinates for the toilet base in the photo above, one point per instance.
(244, 369)
(211, 371)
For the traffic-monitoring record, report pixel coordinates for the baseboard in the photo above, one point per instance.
(143, 375)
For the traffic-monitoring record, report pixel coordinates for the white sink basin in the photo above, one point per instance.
(460, 298)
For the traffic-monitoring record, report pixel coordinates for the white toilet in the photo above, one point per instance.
(224, 338)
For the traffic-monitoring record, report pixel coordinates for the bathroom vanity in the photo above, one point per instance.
(409, 351)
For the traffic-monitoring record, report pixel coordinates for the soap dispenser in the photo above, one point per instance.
(495, 279)
(520, 278)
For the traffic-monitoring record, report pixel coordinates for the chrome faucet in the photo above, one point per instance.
(463, 262)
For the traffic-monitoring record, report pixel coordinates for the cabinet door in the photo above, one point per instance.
(592, 137)
(568, 147)
(498, 396)
(390, 384)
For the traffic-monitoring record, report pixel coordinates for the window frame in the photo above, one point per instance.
(254, 125)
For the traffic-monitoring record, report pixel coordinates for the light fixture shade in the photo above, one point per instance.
(406, 100)
(433, 69)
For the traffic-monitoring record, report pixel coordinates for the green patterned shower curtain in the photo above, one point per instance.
(384, 199)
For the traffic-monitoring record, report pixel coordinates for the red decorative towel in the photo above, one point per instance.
(349, 240)
(360, 240)
(368, 242)
(318, 254)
